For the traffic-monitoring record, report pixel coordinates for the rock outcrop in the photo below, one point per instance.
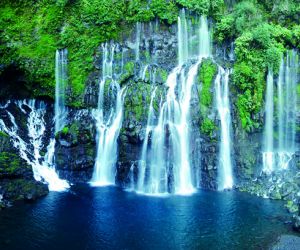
(75, 149)
(16, 176)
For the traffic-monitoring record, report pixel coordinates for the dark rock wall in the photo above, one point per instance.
(76, 143)
(75, 150)
(16, 176)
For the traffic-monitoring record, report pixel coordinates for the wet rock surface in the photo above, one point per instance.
(16, 176)
(75, 149)
(287, 242)
(296, 223)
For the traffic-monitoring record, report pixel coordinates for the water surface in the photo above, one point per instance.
(110, 218)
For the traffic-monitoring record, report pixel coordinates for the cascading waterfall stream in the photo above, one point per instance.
(280, 108)
(287, 109)
(149, 128)
(223, 107)
(60, 87)
(268, 138)
(137, 41)
(183, 47)
(277, 156)
(142, 69)
(144, 72)
(204, 39)
(165, 163)
(43, 167)
(108, 121)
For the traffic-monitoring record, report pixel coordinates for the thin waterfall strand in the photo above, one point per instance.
(108, 123)
(223, 107)
(60, 86)
(43, 167)
(149, 128)
(287, 109)
(268, 154)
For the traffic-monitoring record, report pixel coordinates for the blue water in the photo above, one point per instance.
(110, 218)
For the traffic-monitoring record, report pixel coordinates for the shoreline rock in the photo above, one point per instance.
(287, 242)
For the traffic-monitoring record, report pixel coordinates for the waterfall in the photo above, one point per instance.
(149, 128)
(43, 167)
(60, 86)
(204, 38)
(137, 41)
(277, 156)
(280, 108)
(108, 116)
(287, 109)
(231, 53)
(183, 48)
(268, 154)
(144, 72)
(165, 164)
(223, 107)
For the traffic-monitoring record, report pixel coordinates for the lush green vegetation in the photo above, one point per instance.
(208, 127)
(65, 131)
(31, 31)
(207, 73)
(2, 134)
(206, 76)
(10, 163)
(262, 31)
(137, 101)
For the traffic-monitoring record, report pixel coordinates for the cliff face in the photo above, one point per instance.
(138, 78)
(16, 176)
(143, 59)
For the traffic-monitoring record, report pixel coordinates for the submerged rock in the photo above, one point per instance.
(287, 242)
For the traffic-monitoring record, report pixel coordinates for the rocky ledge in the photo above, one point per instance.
(16, 176)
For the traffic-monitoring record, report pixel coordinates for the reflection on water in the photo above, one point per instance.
(109, 218)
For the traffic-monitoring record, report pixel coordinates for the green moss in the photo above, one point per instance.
(207, 73)
(128, 72)
(163, 74)
(30, 37)
(19, 189)
(90, 150)
(208, 127)
(292, 206)
(137, 101)
(10, 163)
(129, 67)
(74, 131)
(147, 75)
(158, 99)
(2, 134)
(138, 108)
(65, 130)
